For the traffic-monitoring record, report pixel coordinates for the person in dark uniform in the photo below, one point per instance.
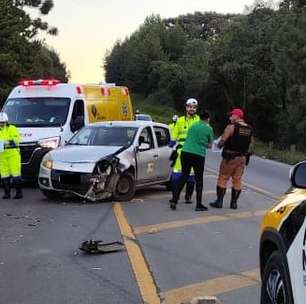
(235, 140)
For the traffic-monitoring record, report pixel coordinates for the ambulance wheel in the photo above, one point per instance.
(275, 288)
(52, 195)
(125, 188)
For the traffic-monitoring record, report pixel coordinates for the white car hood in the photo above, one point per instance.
(36, 134)
(79, 158)
(82, 154)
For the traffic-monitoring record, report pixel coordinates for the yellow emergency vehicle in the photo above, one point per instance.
(48, 112)
(283, 245)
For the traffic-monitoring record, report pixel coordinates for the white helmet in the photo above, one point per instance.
(191, 102)
(174, 118)
(3, 117)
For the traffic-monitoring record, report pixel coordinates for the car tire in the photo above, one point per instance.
(275, 288)
(125, 188)
(52, 195)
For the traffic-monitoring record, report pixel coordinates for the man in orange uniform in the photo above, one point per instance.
(235, 141)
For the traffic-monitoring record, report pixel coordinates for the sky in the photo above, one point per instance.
(88, 28)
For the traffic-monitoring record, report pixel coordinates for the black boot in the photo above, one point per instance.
(189, 192)
(173, 204)
(6, 187)
(18, 187)
(234, 198)
(201, 207)
(218, 203)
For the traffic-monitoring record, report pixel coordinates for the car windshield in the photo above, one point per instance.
(143, 117)
(104, 136)
(37, 112)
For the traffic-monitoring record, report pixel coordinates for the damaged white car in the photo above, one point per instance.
(109, 159)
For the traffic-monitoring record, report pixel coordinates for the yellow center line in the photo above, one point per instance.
(196, 221)
(212, 287)
(140, 268)
(161, 195)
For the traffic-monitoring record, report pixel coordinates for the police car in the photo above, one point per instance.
(283, 245)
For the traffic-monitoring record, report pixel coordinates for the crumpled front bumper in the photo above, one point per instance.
(95, 185)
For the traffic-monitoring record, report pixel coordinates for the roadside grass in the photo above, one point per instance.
(164, 113)
(285, 156)
(160, 113)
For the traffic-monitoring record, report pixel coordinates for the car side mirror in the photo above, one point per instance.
(298, 175)
(143, 147)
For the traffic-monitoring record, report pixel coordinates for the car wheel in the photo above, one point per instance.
(52, 195)
(125, 188)
(275, 288)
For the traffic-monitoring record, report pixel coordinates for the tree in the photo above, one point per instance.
(20, 54)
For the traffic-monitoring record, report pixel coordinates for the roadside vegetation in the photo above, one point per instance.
(255, 61)
(163, 113)
(22, 54)
(159, 112)
(269, 151)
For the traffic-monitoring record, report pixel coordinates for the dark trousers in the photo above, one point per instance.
(189, 161)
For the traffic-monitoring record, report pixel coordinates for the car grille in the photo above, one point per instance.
(73, 181)
(26, 151)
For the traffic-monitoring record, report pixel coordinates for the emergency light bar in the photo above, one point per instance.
(125, 91)
(105, 91)
(44, 82)
(107, 84)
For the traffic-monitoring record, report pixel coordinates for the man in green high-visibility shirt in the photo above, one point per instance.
(10, 160)
(179, 134)
(199, 137)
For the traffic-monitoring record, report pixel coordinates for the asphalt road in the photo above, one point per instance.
(186, 253)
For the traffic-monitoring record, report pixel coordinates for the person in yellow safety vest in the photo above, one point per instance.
(10, 159)
(179, 134)
(172, 125)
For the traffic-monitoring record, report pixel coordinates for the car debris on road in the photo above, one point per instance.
(98, 246)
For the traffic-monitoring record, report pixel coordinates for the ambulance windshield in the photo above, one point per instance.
(37, 112)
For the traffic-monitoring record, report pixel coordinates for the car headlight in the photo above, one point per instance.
(50, 143)
(47, 163)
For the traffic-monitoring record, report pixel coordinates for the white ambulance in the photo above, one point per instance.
(48, 113)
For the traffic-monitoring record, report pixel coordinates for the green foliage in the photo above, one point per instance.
(21, 56)
(254, 61)
(153, 106)
(287, 156)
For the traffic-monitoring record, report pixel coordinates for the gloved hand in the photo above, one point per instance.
(172, 143)
(12, 143)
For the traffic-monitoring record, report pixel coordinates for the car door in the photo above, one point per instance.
(146, 158)
(162, 135)
(296, 254)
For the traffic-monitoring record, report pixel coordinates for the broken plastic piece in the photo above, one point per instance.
(99, 246)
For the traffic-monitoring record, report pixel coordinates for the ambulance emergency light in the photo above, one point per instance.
(43, 82)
